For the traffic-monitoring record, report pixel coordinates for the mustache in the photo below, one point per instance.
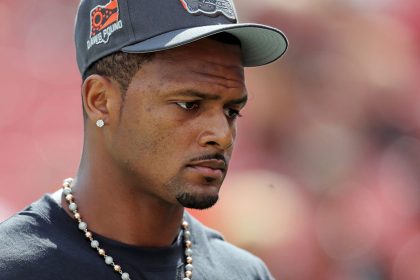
(216, 156)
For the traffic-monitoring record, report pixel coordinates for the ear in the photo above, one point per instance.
(101, 99)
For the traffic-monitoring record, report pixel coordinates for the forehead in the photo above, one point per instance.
(206, 61)
(206, 55)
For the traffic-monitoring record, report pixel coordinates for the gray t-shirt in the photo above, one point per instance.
(43, 242)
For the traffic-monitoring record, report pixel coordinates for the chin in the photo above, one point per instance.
(197, 201)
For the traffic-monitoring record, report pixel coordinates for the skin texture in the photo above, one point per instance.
(166, 147)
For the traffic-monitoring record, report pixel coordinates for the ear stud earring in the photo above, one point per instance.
(100, 123)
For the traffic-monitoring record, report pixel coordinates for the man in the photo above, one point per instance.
(163, 85)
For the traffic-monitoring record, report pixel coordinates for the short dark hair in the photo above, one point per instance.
(120, 66)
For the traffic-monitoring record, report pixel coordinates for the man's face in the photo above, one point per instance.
(177, 127)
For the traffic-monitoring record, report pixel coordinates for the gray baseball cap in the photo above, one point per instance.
(141, 26)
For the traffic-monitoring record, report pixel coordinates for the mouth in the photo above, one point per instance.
(213, 168)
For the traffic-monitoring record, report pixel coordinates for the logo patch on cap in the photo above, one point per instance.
(104, 20)
(210, 8)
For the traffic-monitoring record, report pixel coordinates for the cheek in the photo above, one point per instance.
(155, 142)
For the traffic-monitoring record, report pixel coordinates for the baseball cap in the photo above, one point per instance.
(140, 26)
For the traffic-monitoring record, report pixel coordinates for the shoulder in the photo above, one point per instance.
(28, 247)
(19, 232)
(219, 258)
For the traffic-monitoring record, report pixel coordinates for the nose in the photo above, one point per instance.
(217, 131)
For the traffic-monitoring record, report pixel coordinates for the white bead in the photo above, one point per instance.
(108, 260)
(188, 252)
(94, 244)
(125, 276)
(187, 234)
(82, 226)
(66, 191)
(68, 181)
(186, 278)
(73, 206)
(189, 267)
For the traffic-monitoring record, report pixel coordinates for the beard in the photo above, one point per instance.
(195, 201)
(190, 198)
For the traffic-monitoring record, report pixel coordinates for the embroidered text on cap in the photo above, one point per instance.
(104, 20)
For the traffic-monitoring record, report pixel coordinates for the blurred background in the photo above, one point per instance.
(325, 178)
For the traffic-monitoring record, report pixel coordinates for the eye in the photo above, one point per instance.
(188, 105)
(232, 113)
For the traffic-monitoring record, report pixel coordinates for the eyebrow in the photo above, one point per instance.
(210, 96)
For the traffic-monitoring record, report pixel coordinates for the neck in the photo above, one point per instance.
(116, 208)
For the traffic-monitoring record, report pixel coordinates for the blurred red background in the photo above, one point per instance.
(324, 182)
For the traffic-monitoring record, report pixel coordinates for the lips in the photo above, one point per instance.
(209, 168)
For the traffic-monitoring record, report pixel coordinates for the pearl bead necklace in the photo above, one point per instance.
(67, 192)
